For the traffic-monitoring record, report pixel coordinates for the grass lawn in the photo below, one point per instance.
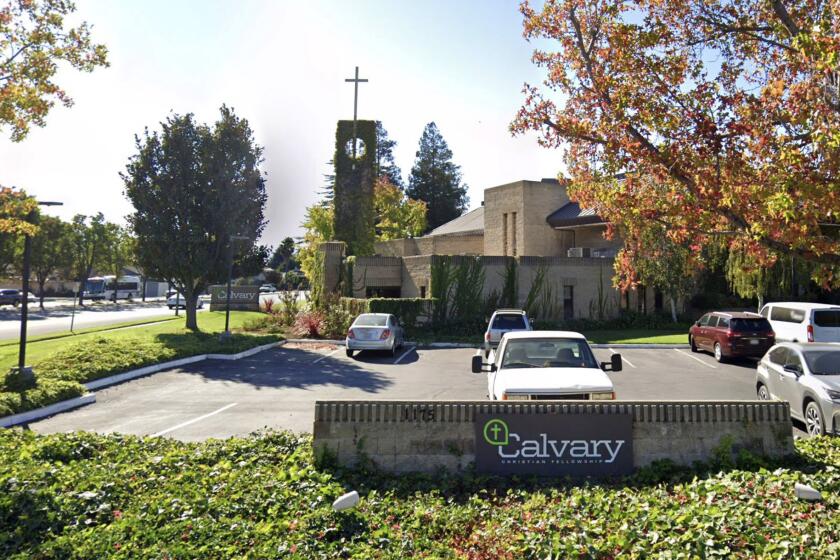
(95, 496)
(77, 332)
(62, 365)
(39, 348)
(637, 336)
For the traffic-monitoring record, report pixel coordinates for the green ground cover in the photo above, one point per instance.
(63, 364)
(637, 336)
(94, 496)
(77, 332)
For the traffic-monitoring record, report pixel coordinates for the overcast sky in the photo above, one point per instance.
(282, 65)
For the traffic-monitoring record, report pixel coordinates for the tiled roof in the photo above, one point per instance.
(471, 222)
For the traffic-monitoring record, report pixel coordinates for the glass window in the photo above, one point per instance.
(827, 318)
(371, 321)
(793, 361)
(548, 352)
(750, 325)
(723, 322)
(765, 311)
(823, 362)
(787, 315)
(779, 356)
(509, 322)
(704, 320)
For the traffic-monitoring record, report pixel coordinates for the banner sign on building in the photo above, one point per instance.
(571, 444)
(242, 298)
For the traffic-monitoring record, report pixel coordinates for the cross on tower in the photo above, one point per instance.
(355, 81)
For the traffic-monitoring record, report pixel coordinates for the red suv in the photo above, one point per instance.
(731, 334)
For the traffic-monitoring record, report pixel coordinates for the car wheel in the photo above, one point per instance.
(719, 353)
(763, 392)
(171, 306)
(691, 343)
(349, 353)
(813, 420)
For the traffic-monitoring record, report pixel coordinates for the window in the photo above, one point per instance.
(423, 292)
(793, 362)
(750, 325)
(568, 302)
(787, 315)
(704, 320)
(827, 318)
(504, 235)
(723, 322)
(765, 312)
(371, 321)
(509, 322)
(779, 356)
(549, 352)
(823, 362)
(513, 234)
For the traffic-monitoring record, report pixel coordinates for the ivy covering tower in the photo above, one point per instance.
(354, 221)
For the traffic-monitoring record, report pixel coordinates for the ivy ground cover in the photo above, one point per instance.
(93, 496)
(62, 365)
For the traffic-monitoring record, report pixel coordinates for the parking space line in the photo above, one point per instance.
(406, 353)
(194, 420)
(628, 362)
(695, 358)
(325, 356)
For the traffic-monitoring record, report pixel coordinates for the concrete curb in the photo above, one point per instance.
(45, 411)
(643, 346)
(148, 370)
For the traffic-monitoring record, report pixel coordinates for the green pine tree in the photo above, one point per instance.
(436, 180)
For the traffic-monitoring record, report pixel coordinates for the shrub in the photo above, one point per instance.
(309, 324)
(84, 495)
(408, 310)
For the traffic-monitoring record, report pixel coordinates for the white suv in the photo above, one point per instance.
(505, 321)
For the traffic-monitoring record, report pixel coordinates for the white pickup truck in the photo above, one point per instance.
(546, 365)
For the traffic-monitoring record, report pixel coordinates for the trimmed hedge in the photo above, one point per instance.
(86, 495)
(407, 310)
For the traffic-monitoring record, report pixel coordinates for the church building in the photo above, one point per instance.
(530, 222)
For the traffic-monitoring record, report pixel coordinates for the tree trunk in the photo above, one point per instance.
(144, 289)
(760, 301)
(190, 300)
(82, 283)
(673, 308)
(41, 291)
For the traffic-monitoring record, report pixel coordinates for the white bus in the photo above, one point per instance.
(102, 287)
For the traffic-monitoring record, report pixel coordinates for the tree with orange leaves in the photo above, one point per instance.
(722, 115)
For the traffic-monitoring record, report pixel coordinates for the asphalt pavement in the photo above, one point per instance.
(278, 388)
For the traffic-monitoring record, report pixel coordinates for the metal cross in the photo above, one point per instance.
(355, 81)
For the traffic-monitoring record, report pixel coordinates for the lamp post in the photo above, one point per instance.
(23, 372)
(226, 335)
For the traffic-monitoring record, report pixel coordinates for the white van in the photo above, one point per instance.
(803, 322)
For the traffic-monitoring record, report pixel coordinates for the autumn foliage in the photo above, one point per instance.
(719, 120)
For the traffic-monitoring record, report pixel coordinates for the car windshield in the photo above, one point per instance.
(509, 322)
(371, 321)
(548, 352)
(743, 325)
(823, 362)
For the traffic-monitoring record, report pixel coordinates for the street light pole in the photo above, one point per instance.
(25, 373)
(226, 335)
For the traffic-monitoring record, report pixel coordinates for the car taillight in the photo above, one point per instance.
(730, 334)
(385, 334)
(351, 334)
(810, 333)
(487, 336)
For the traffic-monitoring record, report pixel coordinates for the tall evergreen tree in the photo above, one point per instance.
(436, 180)
(385, 166)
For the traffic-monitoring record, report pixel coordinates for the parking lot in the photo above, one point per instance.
(277, 388)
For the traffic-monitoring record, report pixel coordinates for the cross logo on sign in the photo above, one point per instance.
(496, 432)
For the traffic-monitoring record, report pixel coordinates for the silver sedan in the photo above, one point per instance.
(374, 331)
(808, 377)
